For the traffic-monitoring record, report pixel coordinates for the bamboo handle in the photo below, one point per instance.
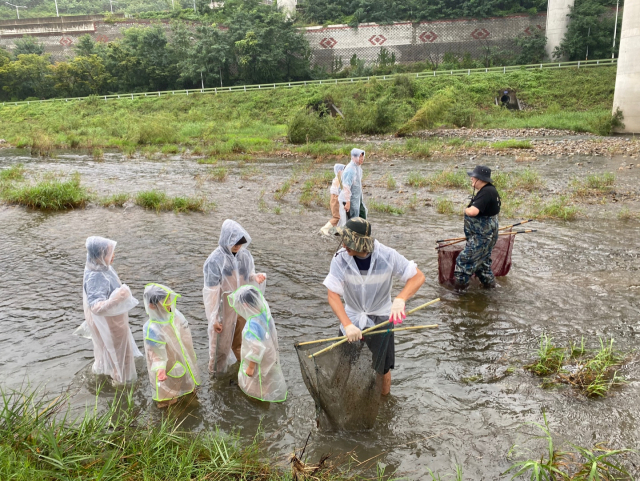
(377, 326)
(462, 239)
(501, 228)
(429, 326)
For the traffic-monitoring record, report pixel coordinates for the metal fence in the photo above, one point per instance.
(306, 83)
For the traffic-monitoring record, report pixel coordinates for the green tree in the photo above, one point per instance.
(142, 60)
(28, 76)
(81, 77)
(203, 56)
(265, 44)
(5, 57)
(85, 46)
(28, 45)
(590, 31)
(532, 48)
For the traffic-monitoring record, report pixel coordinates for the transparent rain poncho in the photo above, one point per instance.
(224, 273)
(368, 295)
(352, 189)
(106, 303)
(259, 347)
(336, 188)
(168, 345)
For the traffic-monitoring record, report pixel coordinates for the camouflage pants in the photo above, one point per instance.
(482, 235)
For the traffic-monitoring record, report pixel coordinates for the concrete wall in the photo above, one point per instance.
(419, 42)
(409, 42)
(557, 23)
(627, 93)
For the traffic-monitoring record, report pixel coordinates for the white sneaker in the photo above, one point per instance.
(325, 229)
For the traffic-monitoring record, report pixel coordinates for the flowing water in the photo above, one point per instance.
(459, 393)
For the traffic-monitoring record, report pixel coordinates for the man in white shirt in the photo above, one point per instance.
(363, 275)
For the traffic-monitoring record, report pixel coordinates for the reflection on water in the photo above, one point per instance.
(570, 280)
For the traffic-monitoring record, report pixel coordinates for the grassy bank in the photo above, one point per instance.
(37, 442)
(54, 192)
(257, 122)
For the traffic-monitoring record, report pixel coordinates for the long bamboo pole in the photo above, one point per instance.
(426, 326)
(501, 228)
(377, 326)
(462, 239)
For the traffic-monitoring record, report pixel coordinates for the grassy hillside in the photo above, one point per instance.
(252, 122)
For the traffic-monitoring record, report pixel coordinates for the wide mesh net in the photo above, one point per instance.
(346, 382)
(500, 258)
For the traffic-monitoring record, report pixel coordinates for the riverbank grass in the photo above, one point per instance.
(50, 194)
(593, 372)
(160, 201)
(39, 442)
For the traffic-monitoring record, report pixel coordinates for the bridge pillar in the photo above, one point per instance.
(557, 23)
(627, 93)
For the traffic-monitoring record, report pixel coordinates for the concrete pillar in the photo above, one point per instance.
(627, 93)
(557, 23)
(287, 6)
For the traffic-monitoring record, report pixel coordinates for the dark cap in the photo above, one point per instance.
(356, 235)
(481, 172)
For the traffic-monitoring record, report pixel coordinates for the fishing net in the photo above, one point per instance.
(500, 258)
(346, 382)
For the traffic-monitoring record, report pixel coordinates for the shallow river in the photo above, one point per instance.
(454, 398)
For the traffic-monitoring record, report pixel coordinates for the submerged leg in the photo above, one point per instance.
(386, 383)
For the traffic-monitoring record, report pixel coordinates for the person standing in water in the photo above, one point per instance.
(481, 231)
(351, 196)
(171, 359)
(106, 304)
(338, 215)
(260, 375)
(229, 267)
(362, 273)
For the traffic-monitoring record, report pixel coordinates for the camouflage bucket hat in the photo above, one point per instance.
(356, 235)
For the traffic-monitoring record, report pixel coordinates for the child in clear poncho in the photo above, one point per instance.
(171, 359)
(225, 270)
(106, 304)
(338, 214)
(260, 375)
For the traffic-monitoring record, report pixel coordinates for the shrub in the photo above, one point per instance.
(369, 118)
(49, 194)
(444, 206)
(605, 124)
(310, 127)
(151, 199)
(432, 112)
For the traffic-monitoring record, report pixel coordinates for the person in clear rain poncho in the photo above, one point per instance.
(106, 304)
(225, 270)
(171, 359)
(338, 214)
(351, 196)
(260, 375)
(362, 273)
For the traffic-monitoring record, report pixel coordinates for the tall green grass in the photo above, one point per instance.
(51, 194)
(159, 201)
(40, 441)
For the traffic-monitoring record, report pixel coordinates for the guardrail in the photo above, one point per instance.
(306, 83)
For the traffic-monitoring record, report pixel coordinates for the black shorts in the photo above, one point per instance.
(382, 346)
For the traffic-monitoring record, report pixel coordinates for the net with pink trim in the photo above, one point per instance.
(500, 258)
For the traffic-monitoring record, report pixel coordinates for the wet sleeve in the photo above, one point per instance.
(101, 304)
(253, 343)
(212, 276)
(156, 348)
(348, 176)
(97, 288)
(335, 279)
(403, 268)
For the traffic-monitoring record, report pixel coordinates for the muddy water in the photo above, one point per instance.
(454, 398)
